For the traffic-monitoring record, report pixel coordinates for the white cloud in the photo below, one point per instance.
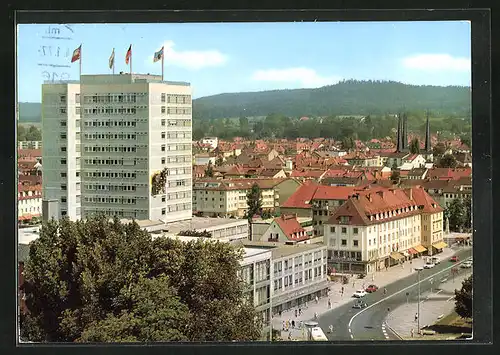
(306, 77)
(431, 62)
(191, 59)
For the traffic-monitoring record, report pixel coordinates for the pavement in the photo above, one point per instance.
(341, 304)
(435, 304)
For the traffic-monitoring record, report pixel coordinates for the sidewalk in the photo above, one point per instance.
(379, 278)
(432, 306)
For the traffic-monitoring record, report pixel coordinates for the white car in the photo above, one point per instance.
(436, 260)
(466, 265)
(419, 268)
(429, 266)
(359, 294)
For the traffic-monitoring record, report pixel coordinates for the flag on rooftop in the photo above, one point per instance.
(112, 59)
(158, 55)
(76, 54)
(129, 54)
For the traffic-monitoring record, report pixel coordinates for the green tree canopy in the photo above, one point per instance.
(463, 299)
(447, 161)
(414, 146)
(209, 171)
(101, 280)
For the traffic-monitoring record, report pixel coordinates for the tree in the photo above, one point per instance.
(209, 171)
(101, 280)
(438, 149)
(465, 139)
(463, 299)
(33, 134)
(415, 146)
(219, 161)
(447, 161)
(254, 202)
(21, 133)
(347, 143)
(395, 175)
(457, 214)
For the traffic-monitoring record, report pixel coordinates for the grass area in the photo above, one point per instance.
(449, 327)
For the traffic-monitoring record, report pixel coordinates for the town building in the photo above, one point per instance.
(285, 228)
(228, 197)
(118, 145)
(298, 273)
(378, 228)
(29, 145)
(212, 141)
(29, 202)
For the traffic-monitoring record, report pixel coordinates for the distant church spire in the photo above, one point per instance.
(399, 136)
(427, 134)
(404, 146)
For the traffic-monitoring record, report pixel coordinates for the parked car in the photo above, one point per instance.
(435, 260)
(419, 268)
(371, 288)
(359, 304)
(359, 294)
(454, 259)
(429, 266)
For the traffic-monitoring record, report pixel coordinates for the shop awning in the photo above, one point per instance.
(420, 248)
(440, 245)
(412, 251)
(397, 256)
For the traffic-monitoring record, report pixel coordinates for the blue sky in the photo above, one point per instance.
(234, 57)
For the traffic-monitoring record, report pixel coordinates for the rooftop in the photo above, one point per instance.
(119, 79)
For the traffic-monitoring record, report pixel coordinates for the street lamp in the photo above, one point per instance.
(418, 304)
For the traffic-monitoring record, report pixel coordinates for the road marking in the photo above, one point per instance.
(398, 292)
(439, 291)
(449, 299)
(352, 337)
(349, 330)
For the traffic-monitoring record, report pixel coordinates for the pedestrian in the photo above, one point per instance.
(412, 332)
(317, 299)
(280, 313)
(288, 324)
(300, 311)
(301, 324)
(329, 303)
(290, 336)
(330, 327)
(293, 324)
(373, 277)
(305, 304)
(296, 311)
(315, 315)
(416, 317)
(353, 284)
(385, 291)
(284, 326)
(342, 290)
(410, 261)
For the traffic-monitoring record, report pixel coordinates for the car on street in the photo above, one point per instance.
(436, 260)
(466, 265)
(429, 266)
(359, 294)
(371, 288)
(418, 268)
(359, 304)
(454, 259)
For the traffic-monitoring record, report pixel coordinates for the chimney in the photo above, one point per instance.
(410, 193)
(380, 193)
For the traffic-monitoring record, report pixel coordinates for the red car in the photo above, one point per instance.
(454, 259)
(371, 288)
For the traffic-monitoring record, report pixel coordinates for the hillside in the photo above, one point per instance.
(345, 98)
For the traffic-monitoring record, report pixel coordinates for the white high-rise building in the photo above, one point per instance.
(106, 138)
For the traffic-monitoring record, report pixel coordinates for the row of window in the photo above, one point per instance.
(176, 110)
(110, 123)
(116, 200)
(176, 99)
(176, 208)
(111, 174)
(110, 187)
(112, 110)
(130, 162)
(100, 149)
(110, 136)
(129, 97)
(355, 230)
(177, 195)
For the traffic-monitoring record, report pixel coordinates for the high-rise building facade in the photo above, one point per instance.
(107, 140)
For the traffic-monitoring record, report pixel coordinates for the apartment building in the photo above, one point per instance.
(29, 145)
(228, 197)
(375, 228)
(118, 145)
(29, 202)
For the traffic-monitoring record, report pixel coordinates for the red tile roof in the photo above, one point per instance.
(291, 228)
(302, 197)
(422, 198)
(333, 192)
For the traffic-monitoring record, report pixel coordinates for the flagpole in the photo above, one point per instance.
(130, 59)
(113, 61)
(80, 62)
(162, 63)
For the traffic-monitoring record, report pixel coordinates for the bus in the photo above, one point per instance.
(316, 334)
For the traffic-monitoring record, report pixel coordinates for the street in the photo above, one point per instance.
(368, 323)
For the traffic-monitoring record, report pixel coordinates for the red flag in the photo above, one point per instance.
(129, 54)
(76, 54)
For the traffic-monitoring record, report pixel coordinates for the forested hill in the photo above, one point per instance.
(345, 98)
